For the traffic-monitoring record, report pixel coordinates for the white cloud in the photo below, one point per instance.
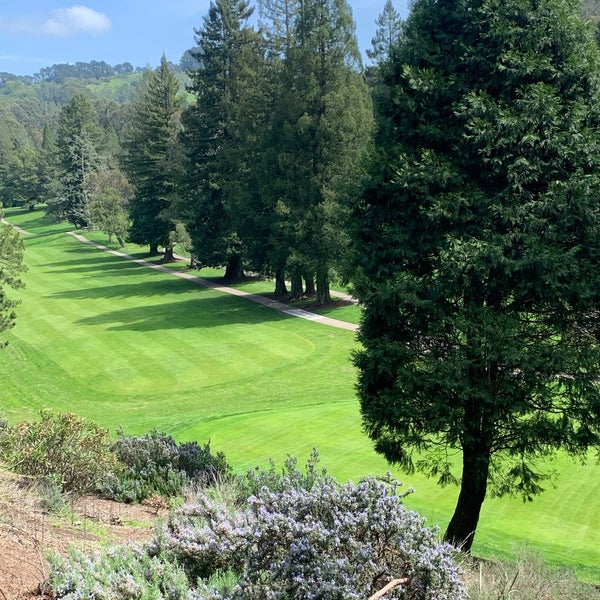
(63, 22)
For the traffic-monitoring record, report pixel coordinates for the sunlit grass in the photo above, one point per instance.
(128, 346)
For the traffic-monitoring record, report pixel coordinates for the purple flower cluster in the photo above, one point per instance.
(330, 542)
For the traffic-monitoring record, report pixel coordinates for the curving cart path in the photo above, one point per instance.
(274, 304)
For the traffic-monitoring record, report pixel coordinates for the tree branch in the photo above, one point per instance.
(390, 586)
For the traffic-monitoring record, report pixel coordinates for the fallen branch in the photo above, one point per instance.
(390, 586)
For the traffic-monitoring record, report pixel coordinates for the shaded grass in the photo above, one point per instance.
(128, 346)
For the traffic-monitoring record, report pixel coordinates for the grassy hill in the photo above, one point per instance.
(131, 347)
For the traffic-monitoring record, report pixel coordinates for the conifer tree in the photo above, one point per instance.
(78, 144)
(151, 160)
(389, 30)
(478, 249)
(318, 137)
(218, 134)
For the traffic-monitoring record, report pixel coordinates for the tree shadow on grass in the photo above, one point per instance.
(92, 264)
(200, 312)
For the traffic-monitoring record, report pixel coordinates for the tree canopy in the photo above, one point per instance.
(151, 158)
(477, 253)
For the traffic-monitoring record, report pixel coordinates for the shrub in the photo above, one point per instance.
(68, 450)
(331, 542)
(290, 476)
(154, 464)
(123, 572)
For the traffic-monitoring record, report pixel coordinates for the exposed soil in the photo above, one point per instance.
(28, 533)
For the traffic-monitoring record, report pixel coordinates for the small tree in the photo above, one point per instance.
(478, 249)
(110, 194)
(11, 267)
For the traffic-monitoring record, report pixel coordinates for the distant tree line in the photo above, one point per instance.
(61, 72)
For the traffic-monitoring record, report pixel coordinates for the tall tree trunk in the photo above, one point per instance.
(280, 287)
(153, 249)
(297, 289)
(168, 254)
(233, 270)
(323, 293)
(310, 285)
(476, 465)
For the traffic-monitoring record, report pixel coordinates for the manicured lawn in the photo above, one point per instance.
(128, 346)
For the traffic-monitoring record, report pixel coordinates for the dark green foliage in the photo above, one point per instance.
(64, 449)
(78, 147)
(478, 249)
(315, 144)
(151, 161)
(154, 464)
(11, 268)
(220, 134)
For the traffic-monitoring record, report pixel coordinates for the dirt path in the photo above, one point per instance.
(274, 304)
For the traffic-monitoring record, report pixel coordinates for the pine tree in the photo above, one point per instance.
(78, 144)
(389, 31)
(151, 160)
(478, 249)
(218, 134)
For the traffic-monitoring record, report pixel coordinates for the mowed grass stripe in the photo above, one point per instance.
(563, 523)
(128, 346)
(91, 314)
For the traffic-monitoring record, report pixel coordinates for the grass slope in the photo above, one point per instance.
(128, 346)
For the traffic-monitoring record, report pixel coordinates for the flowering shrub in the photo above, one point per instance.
(290, 477)
(296, 537)
(332, 542)
(123, 572)
(154, 464)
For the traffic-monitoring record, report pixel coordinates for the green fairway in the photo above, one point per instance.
(128, 346)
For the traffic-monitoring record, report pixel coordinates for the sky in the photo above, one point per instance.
(39, 33)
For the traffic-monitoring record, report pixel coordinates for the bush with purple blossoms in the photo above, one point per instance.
(123, 572)
(155, 464)
(330, 542)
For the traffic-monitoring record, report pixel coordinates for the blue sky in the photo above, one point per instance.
(38, 33)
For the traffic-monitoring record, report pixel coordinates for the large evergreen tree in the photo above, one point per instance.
(152, 161)
(478, 249)
(219, 134)
(78, 144)
(319, 134)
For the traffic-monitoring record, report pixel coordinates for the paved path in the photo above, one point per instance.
(21, 231)
(274, 304)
